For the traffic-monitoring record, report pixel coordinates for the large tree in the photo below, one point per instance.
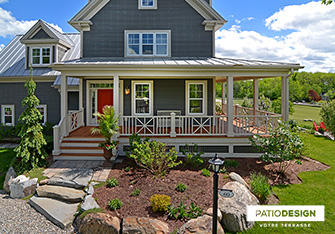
(30, 152)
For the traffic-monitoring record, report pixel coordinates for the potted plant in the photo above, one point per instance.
(108, 127)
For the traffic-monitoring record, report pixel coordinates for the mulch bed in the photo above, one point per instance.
(199, 188)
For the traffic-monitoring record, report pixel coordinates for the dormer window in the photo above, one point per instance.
(147, 4)
(41, 56)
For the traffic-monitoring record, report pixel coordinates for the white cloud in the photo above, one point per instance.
(312, 42)
(2, 46)
(3, 1)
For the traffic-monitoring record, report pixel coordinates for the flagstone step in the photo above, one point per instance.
(62, 193)
(72, 177)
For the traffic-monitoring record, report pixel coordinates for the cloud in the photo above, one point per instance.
(2, 46)
(244, 19)
(310, 40)
(3, 1)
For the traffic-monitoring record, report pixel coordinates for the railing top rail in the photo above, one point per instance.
(258, 116)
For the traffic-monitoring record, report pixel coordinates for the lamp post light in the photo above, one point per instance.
(216, 164)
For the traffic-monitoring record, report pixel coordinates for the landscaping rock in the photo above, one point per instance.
(62, 193)
(308, 120)
(44, 182)
(59, 212)
(200, 225)
(236, 177)
(100, 223)
(144, 226)
(89, 203)
(73, 178)
(210, 213)
(11, 174)
(90, 189)
(234, 210)
(329, 136)
(22, 187)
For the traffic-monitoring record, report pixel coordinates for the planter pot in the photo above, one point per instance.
(108, 154)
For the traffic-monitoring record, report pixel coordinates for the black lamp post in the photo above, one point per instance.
(216, 164)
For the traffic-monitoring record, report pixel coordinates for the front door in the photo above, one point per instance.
(105, 97)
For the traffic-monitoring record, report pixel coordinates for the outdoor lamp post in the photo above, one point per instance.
(216, 164)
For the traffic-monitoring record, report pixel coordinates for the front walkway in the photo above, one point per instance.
(99, 174)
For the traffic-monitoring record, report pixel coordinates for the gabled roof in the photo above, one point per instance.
(82, 20)
(55, 36)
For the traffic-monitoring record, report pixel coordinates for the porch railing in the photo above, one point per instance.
(240, 110)
(247, 125)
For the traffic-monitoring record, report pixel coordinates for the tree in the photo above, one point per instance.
(30, 152)
(327, 114)
(327, 2)
(314, 96)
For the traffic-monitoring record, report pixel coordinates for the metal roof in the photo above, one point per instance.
(12, 58)
(71, 81)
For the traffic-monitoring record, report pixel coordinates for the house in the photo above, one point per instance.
(154, 62)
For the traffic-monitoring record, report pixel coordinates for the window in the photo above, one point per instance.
(147, 43)
(43, 110)
(40, 56)
(142, 97)
(196, 97)
(147, 4)
(7, 115)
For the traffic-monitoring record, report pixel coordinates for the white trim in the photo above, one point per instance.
(41, 56)
(3, 115)
(141, 32)
(44, 106)
(121, 90)
(141, 7)
(204, 98)
(151, 97)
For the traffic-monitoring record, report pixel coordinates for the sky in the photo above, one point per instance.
(297, 31)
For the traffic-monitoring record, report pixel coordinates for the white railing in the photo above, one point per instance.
(247, 125)
(202, 125)
(146, 126)
(75, 120)
(240, 110)
(59, 134)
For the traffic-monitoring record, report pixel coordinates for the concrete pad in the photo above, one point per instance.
(73, 178)
(58, 212)
(62, 193)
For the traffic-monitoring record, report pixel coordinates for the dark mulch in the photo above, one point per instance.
(199, 188)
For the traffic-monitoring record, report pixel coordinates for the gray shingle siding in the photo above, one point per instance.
(41, 35)
(106, 37)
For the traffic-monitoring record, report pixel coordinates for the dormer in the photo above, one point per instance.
(45, 45)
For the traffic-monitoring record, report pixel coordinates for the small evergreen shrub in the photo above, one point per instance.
(135, 193)
(127, 169)
(205, 172)
(231, 163)
(260, 186)
(115, 204)
(193, 157)
(181, 187)
(160, 202)
(112, 183)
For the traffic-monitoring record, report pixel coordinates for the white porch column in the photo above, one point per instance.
(116, 98)
(285, 98)
(223, 93)
(81, 94)
(255, 95)
(230, 105)
(63, 96)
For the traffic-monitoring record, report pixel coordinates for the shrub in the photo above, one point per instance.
(127, 169)
(181, 212)
(247, 102)
(50, 144)
(135, 193)
(132, 139)
(160, 202)
(314, 96)
(193, 157)
(231, 163)
(153, 157)
(181, 187)
(112, 183)
(205, 172)
(115, 204)
(260, 186)
(327, 114)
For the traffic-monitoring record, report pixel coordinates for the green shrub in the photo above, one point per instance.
(127, 169)
(327, 114)
(231, 163)
(260, 186)
(247, 102)
(132, 139)
(223, 170)
(153, 157)
(135, 193)
(50, 144)
(115, 204)
(112, 183)
(181, 187)
(160, 202)
(193, 157)
(182, 212)
(205, 172)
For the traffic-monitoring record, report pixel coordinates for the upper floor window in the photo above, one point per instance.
(148, 43)
(147, 4)
(40, 56)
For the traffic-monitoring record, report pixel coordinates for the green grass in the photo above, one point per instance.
(317, 189)
(306, 112)
(37, 173)
(6, 158)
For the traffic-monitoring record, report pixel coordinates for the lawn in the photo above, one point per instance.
(317, 189)
(6, 157)
(306, 112)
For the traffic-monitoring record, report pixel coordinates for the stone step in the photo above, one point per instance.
(62, 193)
(59, 212)
(72, 177)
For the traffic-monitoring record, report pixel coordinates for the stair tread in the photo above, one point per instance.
(82, 154)
(81, 148)
(80, 141)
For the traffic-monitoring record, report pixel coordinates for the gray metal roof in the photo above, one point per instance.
(12, 58)
(58, 34)
(71, 81)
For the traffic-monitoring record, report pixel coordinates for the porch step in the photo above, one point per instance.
(79, 156)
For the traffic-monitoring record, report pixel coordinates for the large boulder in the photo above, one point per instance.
(236, 177)
(100, 223)
(61, 193)
(210, 213)
(234, 210)
(21, 187)
(11, 174)
(200, 225)
(144, 226)
(89, 203)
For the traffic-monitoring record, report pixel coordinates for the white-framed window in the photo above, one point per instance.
(196, 97)
(148, 43)
(147, 4)
(43, 110)
(142, 97)
(41, 56)
(8, 115)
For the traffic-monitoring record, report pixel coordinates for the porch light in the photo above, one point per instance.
(216, 163)
(127, 90)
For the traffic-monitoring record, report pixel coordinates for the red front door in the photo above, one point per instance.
(105, 97)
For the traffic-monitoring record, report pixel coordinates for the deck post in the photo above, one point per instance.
(255, 95)
(230, 106)
(285, 98)
(81, 94)
(116, 84)
(223, 98)
(64, 101)
(173, 125)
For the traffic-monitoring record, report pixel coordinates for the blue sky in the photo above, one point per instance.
(298, 31)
